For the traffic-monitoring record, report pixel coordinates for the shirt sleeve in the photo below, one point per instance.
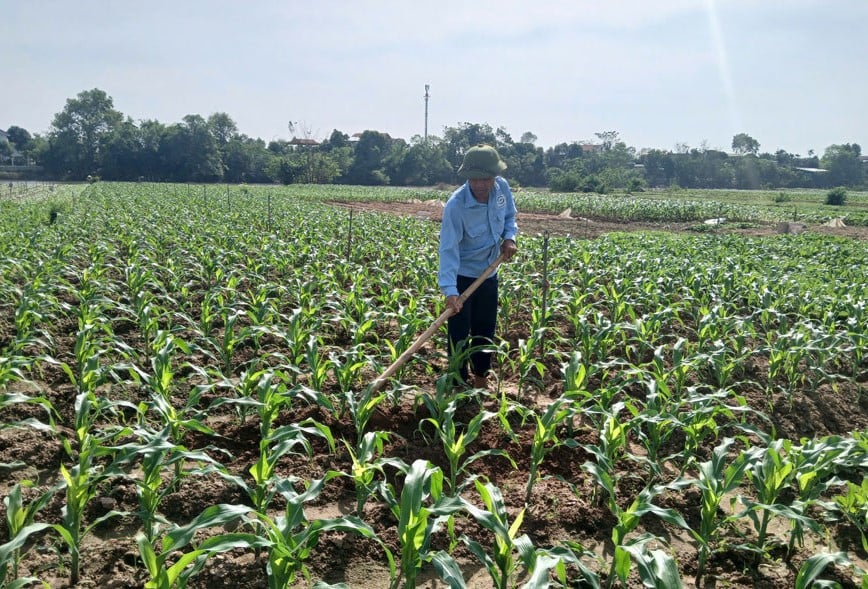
(510, 229)
(450, 236)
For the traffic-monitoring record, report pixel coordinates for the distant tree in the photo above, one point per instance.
(561, 181)
(336, 140)
(844, 165)
(423, 163)
(279, 146)
(245, 160)
(526, 164)
(122, 154)
(459, 139)
(528, 137)
(659, 168)
(152, 133)
(6, 150)
(371, 158)
(607, 139)
(78, 131)
(19, 137)
(783, 158)
(561, 156)
(189, 152)
(744, 143)
(222, 127)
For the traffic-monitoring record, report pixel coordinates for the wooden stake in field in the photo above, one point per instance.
(426, 335)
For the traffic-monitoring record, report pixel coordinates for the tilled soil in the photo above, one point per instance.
(564, 503)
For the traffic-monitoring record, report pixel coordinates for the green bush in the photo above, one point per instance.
(565, 182)
(836, 196)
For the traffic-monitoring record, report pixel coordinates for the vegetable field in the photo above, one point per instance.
(185, 393)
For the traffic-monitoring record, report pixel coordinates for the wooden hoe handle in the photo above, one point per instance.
(380, 381)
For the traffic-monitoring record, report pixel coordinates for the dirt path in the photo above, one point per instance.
(581, 227)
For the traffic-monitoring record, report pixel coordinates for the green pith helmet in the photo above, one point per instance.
(481, 161)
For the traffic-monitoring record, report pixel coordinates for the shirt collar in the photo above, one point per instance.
(470, 201)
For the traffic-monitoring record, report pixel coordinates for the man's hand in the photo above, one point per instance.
(508, 249)
(454, 303)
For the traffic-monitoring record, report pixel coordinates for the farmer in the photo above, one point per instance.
(478, 225)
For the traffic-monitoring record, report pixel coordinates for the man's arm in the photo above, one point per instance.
(450, 232)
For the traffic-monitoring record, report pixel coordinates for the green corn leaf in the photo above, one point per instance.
(815, 565)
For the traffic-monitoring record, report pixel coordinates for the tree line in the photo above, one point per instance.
(89, 138)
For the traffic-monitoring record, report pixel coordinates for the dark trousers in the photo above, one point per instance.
(474, 325)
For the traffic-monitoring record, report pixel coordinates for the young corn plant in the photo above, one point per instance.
(87, 374)
(812, 568)
(628, 552)
(367, 463)
(20, 525)
(445, 394)
(456, 440)
(153, 453)
(717, 477)
(853, 506)
(347, 366)
(770, 472)
(171, 567)
(612, 439)
(546, 439)
(530, 369)
(511, 554)
(698, 416)
(233, 337)
(81, 482)
(421, 508)
(361, 407)
(654, 424)
(10, 555)
(816, 463)
(272, 448)
(318, 365)
(291, 538)
(162, 386)
(656, 568)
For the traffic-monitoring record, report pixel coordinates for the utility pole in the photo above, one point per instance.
(426, 113)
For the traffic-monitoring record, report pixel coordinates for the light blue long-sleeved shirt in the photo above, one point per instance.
(471, 233)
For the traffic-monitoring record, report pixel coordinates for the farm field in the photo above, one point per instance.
(185, 393)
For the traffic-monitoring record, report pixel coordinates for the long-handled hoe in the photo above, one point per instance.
(426, 335)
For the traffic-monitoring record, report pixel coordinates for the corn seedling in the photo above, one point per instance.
(154, 452)
(546, 439)
(20, 525)
(853, 505)
(291, 538)
(510, 551)
(717, 478)
(368, 462)
(419, 511)
(171, 567)
(456, 440)
(629, 551)
(770, 471)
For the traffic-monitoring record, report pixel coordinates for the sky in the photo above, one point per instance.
(663, 74)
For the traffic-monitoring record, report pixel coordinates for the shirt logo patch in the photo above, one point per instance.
(501, 201)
